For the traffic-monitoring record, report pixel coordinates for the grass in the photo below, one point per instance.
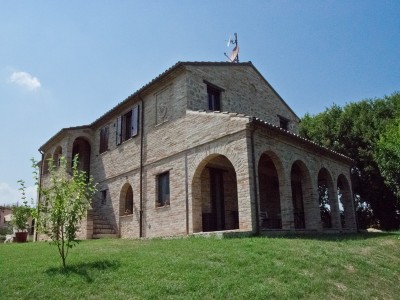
(364, 266)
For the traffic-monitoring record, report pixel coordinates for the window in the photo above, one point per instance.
(127, 125)
(46, 164)
(163, 189)
(103, 197)
(283, 123)
(57, 156)
(103, 139)
(214, 98)
(129, 201)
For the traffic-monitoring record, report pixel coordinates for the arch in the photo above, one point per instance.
(46, 163)
(81, 147)
(345, 202)
(57, 156)
(214, 195)
(126, 200)
(269, 173)
(326, 196)
(301, 194)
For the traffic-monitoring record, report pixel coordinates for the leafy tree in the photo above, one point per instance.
(21, 213)
(356, 131)
(388, 156)
(64, 199)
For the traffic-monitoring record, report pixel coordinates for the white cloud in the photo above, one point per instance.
(10, 195)
(25, 80)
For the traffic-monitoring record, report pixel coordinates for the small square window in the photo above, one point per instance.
(214, 98)
(163, 196)
(283, 123)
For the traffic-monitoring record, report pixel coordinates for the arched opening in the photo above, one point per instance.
(268, 184)
(81, 147)
(57, 156)
(301, 194)
(326, 196)
(126, 200)
(214, 192)
(345, 202)
(46, 164)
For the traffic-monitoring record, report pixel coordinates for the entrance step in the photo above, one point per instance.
(105, 236)
(102, 228)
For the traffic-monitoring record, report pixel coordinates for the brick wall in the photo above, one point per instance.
(181, 140)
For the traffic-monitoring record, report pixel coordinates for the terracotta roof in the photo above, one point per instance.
(60, 133)
(301, 139)
(177, 67)
(282, 131)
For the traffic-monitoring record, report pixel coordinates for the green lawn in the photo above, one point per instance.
(365, 266)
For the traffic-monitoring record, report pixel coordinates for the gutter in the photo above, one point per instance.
(187, 193)
(353, 198)
(253, 161)
(38, 193)
(141, 166)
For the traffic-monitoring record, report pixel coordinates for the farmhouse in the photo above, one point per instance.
(205, 146)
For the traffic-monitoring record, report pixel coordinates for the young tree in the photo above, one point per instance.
(64, 199)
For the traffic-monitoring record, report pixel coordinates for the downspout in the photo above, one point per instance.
(38, 193)
(353, 200)
(187, 193)
(253, 160)
(141, 166)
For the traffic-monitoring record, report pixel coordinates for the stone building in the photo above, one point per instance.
(206, 147)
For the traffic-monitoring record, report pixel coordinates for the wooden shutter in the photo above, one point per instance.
(105, 138)
(135, 121)
(118, 133)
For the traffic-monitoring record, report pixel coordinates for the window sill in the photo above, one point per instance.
(126, 141)
(126, 216)
(164, 206)
(160, 124)
(104, 152)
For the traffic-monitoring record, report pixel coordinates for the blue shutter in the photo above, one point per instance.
(135, 121)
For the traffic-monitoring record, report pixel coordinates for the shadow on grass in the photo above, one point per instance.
(323, 236)
(335, 237)
(85, 270)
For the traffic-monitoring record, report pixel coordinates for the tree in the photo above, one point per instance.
(356, 131)
(388, 156)
(64, 199)
(21, 213)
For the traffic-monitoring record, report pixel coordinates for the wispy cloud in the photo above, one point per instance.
(25, 80)
(10, 195)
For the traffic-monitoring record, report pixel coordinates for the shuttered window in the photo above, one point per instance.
(127, 125)
(103, 139)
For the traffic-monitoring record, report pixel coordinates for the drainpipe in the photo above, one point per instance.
(187, 193)
(253, 160)
(38, 193)
(141, 166)
(353, 200)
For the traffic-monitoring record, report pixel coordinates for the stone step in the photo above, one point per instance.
(105, 231)
(102, 226)
(105, 236)
(99, 218)
(103, 222)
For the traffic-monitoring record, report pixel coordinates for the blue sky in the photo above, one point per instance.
(65, 63)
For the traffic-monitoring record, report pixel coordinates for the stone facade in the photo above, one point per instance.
(166, 164)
